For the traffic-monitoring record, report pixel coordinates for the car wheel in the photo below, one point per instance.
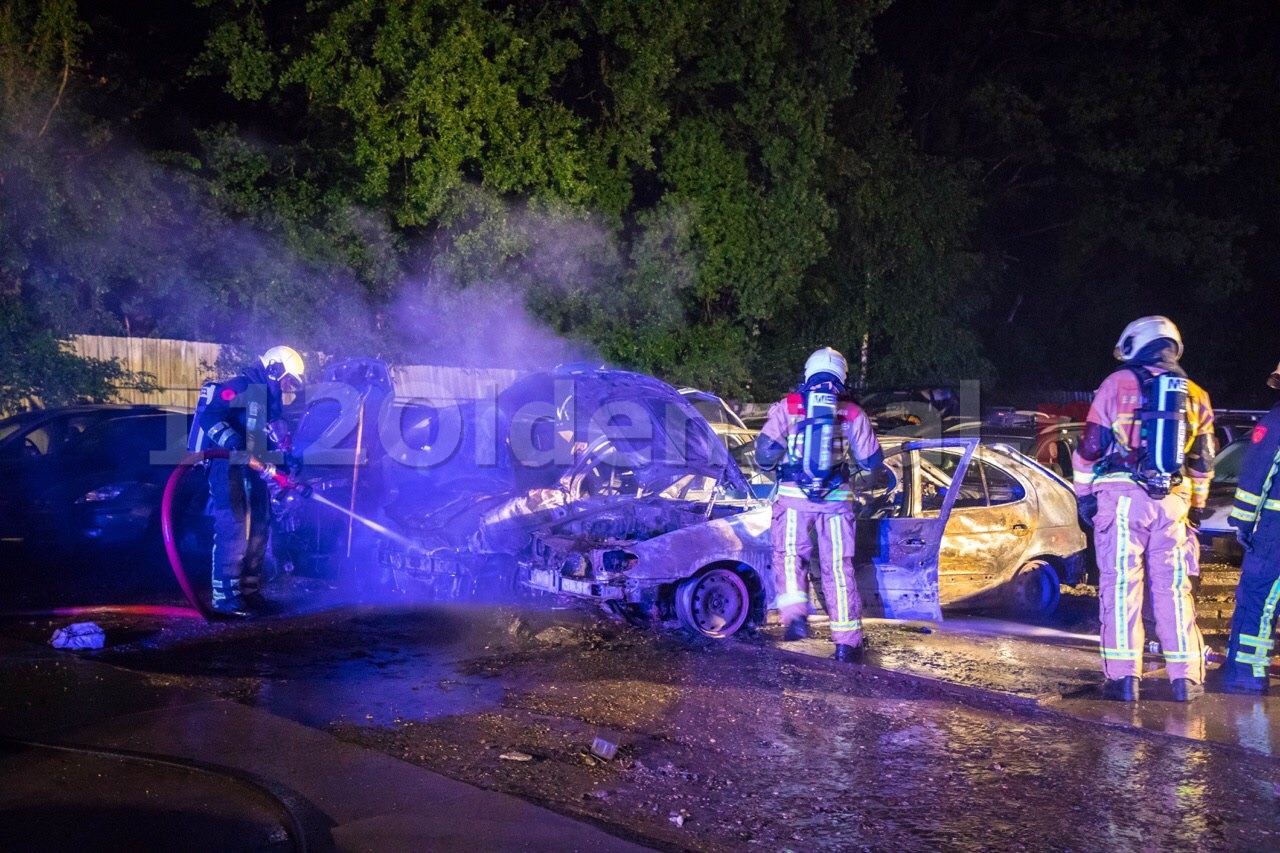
(1036, 589)
(495, 581)
(714, 603)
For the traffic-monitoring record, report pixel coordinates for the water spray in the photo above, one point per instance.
(380, 529)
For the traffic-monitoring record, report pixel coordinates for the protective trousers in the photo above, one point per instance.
(1254, 621)
(241, 515)
(795, 524)
(1134, 534)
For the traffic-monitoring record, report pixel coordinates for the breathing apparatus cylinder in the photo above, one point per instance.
(819, 437)
(824, 375)
(1163, 419)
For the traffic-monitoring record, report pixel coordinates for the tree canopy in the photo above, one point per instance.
(705, 190)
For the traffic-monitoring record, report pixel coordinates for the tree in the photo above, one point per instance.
(1099, 132)
(38, 370)
(707, 122)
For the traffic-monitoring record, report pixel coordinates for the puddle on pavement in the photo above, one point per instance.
(934, 772)
(1062, 672)
(369, 668)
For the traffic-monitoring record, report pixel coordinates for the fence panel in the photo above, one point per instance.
(181, 367)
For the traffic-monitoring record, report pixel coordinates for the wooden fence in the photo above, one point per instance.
(181, 367)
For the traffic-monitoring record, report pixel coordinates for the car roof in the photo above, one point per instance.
(585, 390)
(34, 417)
(713, 408)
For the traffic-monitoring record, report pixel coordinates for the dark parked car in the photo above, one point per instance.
(89, 477)
(1048, 439)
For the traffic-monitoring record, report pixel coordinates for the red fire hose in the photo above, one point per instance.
(166, 525)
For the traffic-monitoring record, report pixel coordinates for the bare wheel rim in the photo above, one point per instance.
(1037, 590)
(715, 603)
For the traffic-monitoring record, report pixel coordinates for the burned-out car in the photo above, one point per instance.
(957, 523)
(653, 518)
(610, 455)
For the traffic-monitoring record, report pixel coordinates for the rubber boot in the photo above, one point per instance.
(258, 603)
(848, 654)
(231, 605)
(797, 629)
(1239, 679)
(1185, 690)
(1126, 689)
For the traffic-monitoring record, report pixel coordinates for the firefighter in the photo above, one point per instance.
(244, 415)
(818, 436)
(1142, 473)
(1256, 519)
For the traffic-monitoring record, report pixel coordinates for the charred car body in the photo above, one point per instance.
(606, 486)
(572, 468)
(960, 524)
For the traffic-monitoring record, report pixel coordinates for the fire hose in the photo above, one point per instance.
(265, 469)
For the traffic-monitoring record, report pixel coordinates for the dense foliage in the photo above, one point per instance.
(704, 189)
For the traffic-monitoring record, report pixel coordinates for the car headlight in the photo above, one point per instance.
(109, 492)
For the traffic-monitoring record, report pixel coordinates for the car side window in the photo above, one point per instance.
(935, 470)
(986, 485)
(38, 441)
(1002, 487)
(973, 488)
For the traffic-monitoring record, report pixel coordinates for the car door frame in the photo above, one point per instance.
(897, 557)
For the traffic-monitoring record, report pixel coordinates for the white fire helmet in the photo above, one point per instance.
(826, 360)
(283, 363)
(1143, 331)
(1273, 381)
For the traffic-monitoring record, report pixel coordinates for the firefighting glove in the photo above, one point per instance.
(278, 432)
(1244, 537)
(1195, 516)
(1087, 508)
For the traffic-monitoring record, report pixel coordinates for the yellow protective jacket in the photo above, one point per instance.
(1112, 437)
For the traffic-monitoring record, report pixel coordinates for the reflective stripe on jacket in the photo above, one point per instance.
(1113, 411)
(854, 439)
(1258, 491)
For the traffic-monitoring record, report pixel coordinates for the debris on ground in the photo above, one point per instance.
(556, 635)
(79, 635)
(604, 748)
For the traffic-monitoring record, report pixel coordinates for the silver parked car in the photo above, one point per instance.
(1214, 531)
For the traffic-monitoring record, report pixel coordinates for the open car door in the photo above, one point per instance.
(900, 526)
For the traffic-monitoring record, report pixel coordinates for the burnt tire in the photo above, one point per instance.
(714, 603)
(1035, 590)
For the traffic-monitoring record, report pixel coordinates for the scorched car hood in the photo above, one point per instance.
(552, 419)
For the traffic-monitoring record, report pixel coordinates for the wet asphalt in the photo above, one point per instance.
(95, 756)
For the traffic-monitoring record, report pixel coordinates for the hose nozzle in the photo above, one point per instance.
(272, 474)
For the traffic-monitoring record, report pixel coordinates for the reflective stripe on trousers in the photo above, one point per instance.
(794, 528)
(1137, 534)
(1257, 598)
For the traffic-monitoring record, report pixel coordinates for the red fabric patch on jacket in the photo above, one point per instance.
(228, 394)
(1259, 433)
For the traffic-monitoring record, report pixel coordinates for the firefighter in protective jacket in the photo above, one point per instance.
(1142, 474)
(1256, 518)
(244, 415)
(819, 437)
